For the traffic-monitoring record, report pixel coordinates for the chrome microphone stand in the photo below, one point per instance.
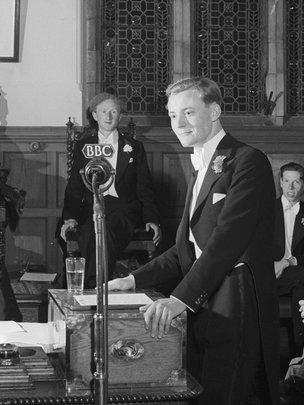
(98, 175)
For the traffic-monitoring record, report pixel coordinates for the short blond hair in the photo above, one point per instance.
(208, 89)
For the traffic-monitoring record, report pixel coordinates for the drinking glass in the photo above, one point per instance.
(75, 274)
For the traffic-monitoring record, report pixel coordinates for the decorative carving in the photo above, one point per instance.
(294, 55)
(229, 49)
(135, 53)
(34, 146)
(70, 138)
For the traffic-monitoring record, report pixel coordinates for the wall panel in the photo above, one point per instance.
(61, 177)
(28, 243)
(29, 171)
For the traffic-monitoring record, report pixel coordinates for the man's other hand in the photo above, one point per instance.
(68, 224)
(292, 261)
(280, 266)
(157, 232)
(122, 284)
(158, 315)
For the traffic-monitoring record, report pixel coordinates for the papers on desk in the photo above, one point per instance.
(40, 277)
(121, 299)
(50, 336)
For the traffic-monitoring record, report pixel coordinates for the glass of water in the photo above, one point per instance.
(75, 274)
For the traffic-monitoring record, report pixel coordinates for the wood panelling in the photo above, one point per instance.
(176, 169)
(28, 242)
(37, 159)
(61, 160)
(29, 171)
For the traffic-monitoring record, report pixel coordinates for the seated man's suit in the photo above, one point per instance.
(135, 203)
(292, 279)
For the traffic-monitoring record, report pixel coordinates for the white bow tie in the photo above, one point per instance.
(294, 208)
(197, 161)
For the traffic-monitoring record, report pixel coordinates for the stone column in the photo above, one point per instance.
(91, 51)
(181, 39)
(275, 79)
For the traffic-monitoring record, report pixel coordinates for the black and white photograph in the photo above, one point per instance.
(152, 202)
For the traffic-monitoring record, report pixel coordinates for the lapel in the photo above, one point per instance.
(122, 157)
(224, 148)
(184, 224)
(298, 230)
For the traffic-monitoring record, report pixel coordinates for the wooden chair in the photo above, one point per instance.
(142, 240)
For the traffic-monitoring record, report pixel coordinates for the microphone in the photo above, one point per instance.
(98, 172)
(101, 168)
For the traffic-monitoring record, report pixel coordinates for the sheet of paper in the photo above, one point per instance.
(47, 277)
(49, 335)
(116, 299)
(7, 327)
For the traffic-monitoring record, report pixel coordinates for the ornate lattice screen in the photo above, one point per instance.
(135, 52)
(229, 48)
(295, 56)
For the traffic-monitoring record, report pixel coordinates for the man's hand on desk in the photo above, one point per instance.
(124, 283)
(158, 315)
(157, 232)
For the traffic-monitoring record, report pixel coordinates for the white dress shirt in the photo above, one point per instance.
(112, 139)
(204, 156)
(290, 213)
(200, 159)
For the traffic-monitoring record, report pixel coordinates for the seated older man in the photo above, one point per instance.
(129, 201)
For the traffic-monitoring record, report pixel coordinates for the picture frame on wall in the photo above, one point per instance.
(9, 30)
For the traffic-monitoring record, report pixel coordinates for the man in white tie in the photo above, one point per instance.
(289, 243)
(221, 267)
(129, 202)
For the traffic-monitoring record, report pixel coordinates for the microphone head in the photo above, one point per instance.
(102, 169)
(98, 171)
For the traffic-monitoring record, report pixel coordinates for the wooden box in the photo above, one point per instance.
(159, 361)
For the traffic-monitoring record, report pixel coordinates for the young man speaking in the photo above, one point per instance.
(221, 267)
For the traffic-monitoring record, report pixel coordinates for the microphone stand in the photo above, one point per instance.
(101, 316)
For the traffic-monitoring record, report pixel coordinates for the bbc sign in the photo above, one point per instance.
(94, 150)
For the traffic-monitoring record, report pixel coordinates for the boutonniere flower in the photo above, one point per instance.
(127, 148)
(218, 164)
(131, 160)
(302, 221)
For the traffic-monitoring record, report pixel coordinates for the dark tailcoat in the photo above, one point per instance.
(297, 246)
(135, 205)
(228, 303)
(291, 282)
